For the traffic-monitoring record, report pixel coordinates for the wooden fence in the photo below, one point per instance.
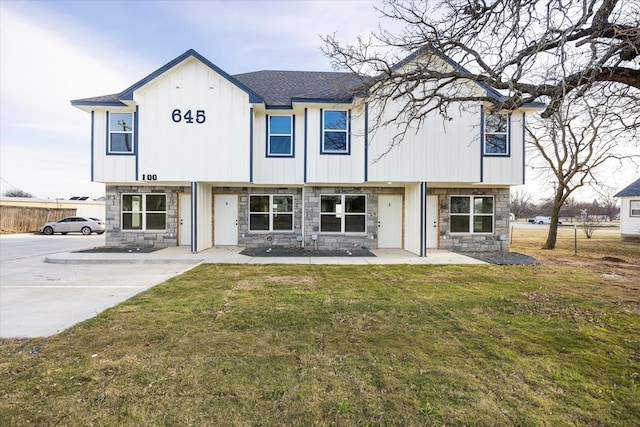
(18, 219)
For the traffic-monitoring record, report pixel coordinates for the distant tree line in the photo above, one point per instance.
(523, 206)
(17, 193)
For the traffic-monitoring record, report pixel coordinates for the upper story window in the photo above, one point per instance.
(343, 213)
(471, 214)
(335, 132)
(144, 212)
(634, 208)
(271, 212)
(120, 133)
(280, 136)
(496, 134)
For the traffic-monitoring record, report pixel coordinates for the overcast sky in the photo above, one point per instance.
(54, 51)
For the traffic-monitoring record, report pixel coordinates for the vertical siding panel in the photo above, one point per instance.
(412, 229)
(215, 150)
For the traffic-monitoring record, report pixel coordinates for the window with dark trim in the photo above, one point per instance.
(280, 136)
(471, 214)
(270, 212)
(335, 132)
(343, 213)
(120, 133)
(496, 134)
(142, 212)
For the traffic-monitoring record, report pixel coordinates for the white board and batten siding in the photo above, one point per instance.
(508, 170)
(415, 235)
(212, 145)
(445, 151)
(412, 228)
(335, 168)
(109, 168)
(278, 170)
(440, 151)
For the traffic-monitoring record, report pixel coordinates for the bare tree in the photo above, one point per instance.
(608, 203)
(528, 50)
(16, 192)
(520, 203)
(574, 144)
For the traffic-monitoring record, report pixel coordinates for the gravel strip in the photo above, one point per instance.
(286, 252)
(501, 258)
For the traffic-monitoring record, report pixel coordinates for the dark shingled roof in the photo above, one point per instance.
(113, 99)
(280, 88)
(630, 191)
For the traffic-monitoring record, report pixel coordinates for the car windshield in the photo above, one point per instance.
(95, 219)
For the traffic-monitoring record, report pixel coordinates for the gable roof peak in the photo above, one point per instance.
(631, 190)
(128, 93)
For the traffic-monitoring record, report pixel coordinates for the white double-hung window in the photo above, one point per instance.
(120, 133)
(471, 214)
(343, 213)
(271, 212)
(280, 136)
(335, 132)
(142, 212)
(496, 134)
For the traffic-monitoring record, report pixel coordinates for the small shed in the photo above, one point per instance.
(630, 212)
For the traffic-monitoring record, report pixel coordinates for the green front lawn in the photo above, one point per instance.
(342, 345)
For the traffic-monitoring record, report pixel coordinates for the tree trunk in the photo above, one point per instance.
(558, 200)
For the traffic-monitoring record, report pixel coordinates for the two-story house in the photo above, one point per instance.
(193, 156)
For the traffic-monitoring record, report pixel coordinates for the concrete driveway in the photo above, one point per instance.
(42, 299)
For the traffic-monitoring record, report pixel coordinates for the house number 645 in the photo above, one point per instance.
(188, 116)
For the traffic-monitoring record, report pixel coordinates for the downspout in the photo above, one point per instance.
(194, 217)
(423, 219)
(304, 179)
(302, 228)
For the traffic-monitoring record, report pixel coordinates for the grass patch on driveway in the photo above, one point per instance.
(341, 345)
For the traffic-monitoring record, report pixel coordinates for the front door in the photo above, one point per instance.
(225, 214)
(432, 222)
(185, 220)
(390, 221)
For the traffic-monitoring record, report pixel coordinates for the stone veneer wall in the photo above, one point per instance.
(330, 241)
(457, 242)
(474, 242)
(265, 239)
(116, 237)
(326, 241)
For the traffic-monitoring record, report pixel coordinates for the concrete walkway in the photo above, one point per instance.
(232, 255)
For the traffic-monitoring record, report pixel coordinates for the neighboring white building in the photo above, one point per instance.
(84, 206)
(193, 156)
(630, 212)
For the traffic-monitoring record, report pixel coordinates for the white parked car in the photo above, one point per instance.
(74, 224)
(544, 220)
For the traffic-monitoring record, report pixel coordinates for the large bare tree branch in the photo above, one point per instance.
(529, 50)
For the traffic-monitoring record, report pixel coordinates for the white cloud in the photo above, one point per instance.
(44, 141)
(246, 36)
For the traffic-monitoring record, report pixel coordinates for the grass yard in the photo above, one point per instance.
(225, 345)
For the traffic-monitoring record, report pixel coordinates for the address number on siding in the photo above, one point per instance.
(177, 116)
(149, 177)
